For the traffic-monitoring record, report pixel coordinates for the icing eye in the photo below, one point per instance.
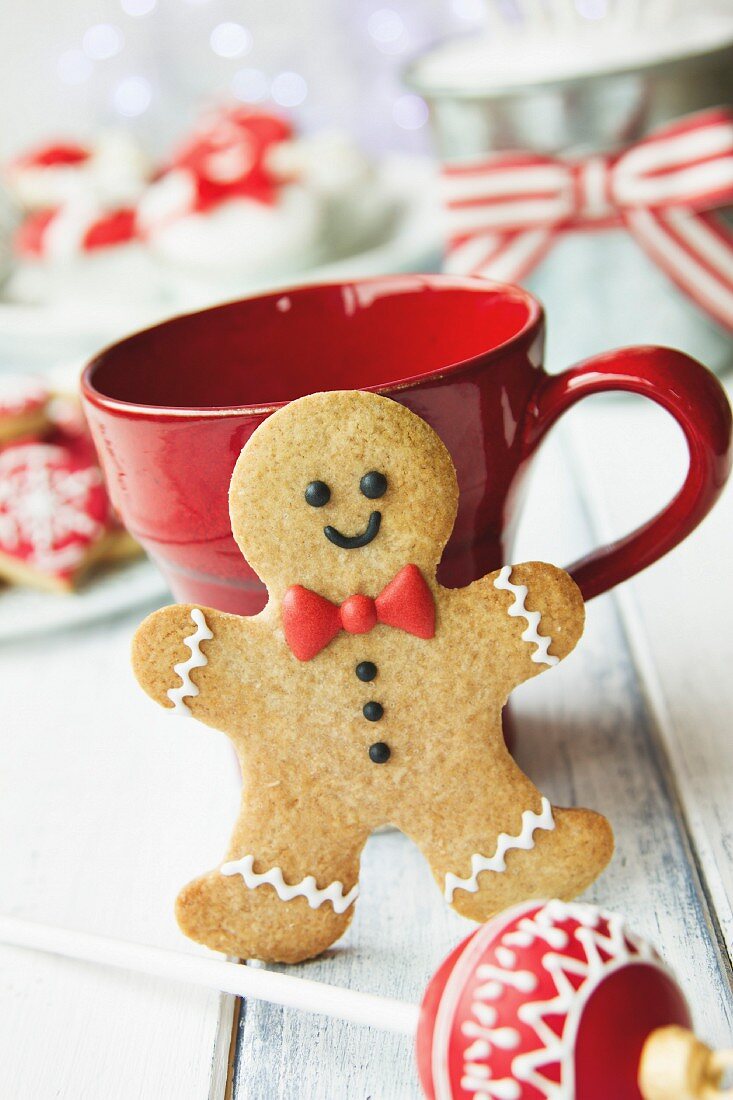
(317, 493)
(373, 485)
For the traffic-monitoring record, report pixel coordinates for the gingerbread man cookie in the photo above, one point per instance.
(365, 693)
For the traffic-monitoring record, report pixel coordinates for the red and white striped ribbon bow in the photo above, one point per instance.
(505, 210)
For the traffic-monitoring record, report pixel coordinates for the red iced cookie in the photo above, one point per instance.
(54, 515)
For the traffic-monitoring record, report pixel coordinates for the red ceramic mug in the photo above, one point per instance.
(171, 408)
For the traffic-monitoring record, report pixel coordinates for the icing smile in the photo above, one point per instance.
(353, 542)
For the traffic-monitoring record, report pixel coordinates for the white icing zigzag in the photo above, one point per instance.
(306, 888)
(524, 840)
(603, 954)
(196, 660)
(531, 634)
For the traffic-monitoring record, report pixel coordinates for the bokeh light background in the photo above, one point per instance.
(68, 67)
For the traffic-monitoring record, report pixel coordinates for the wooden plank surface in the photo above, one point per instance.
(678, 617)
(108, 806)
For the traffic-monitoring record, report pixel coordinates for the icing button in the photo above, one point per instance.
(379, 752)
(372, 711)
(366, 671)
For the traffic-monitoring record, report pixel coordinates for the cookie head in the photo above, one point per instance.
(338, 491)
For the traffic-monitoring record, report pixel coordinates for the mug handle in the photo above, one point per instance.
(696, 400)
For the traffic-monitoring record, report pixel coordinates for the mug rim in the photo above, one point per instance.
(532, 324)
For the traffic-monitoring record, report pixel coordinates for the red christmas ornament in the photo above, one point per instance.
(548, 1001)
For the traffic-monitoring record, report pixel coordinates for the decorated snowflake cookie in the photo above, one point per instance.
(365, 693)
(69, 429)
(54, 515)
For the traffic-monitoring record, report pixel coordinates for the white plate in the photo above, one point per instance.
(32, 335)
(26, 612)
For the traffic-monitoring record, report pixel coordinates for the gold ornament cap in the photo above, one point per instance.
(675, 1065)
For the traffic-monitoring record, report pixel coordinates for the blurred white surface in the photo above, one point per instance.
(69, 68)
(25, 612)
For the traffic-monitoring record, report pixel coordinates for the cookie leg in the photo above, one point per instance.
(499, 848)
(285, 892)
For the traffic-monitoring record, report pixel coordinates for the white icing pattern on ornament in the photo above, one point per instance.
(477, 1080)
(306, 888)
(574, 980)
(524, 840)
(197, 659)
(534, 618)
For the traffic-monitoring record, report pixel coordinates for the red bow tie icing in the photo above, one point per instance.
(311, 621)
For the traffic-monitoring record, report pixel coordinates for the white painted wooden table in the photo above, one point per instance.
(107, 806)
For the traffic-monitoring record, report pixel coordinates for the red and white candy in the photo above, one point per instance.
(226, 158)
(110, 172)
(47, 175)
(61, 233)
(78, 199)
(228, 155)
(548, 1001)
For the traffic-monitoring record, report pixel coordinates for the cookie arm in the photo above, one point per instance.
(182, 658)
(541, 608)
